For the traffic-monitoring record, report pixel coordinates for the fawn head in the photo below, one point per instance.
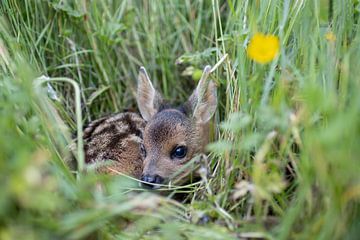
(173, 135)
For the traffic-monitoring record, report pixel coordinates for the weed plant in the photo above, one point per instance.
(284, 161)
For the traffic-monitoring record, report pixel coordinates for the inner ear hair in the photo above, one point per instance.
(204, 99)
(148, 99)
(201, 87)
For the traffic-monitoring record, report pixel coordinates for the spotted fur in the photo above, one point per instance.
(116, 141)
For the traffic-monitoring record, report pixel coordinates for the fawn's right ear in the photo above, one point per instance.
(148, 99)
(203, 101)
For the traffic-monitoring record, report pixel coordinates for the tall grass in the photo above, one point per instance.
(284, 163)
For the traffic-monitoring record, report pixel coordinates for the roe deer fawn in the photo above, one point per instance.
(161, 142)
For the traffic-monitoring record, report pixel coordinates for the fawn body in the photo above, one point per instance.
(159, 144)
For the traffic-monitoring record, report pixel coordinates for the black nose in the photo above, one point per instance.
(149, 181)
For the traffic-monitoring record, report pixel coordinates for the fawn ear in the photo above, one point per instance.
(148, 99)
(203, 100)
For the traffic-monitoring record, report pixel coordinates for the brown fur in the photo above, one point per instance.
(116, 141)
(167, 130)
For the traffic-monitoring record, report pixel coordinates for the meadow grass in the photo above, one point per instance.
(284, 162)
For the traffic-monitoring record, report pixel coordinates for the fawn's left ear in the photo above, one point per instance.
(148, 99)
(203, 100)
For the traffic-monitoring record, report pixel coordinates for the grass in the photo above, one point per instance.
(284, 161)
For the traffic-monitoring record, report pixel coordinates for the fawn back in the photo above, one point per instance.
(115, 144)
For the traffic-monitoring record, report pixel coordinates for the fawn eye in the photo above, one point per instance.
(179, 152)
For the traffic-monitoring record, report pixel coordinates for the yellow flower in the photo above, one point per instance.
(330, 36)
(263, 48)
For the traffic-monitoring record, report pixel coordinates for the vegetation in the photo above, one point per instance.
(284, 163)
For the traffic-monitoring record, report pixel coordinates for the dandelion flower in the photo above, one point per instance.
(263, 48)
(330, 36)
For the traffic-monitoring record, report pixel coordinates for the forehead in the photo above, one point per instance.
(166, 125)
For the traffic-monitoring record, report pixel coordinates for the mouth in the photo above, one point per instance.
(152, 186)
(152, 181)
